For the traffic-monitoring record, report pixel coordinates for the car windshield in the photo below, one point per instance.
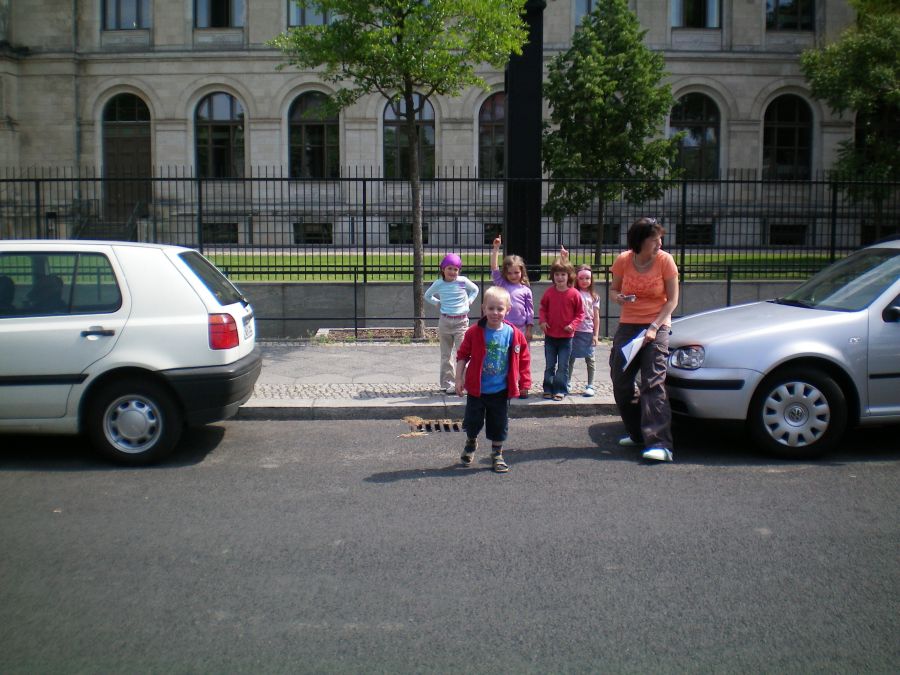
(851, 284)
(213, 279)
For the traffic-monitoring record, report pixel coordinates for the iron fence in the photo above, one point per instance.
(270, 227)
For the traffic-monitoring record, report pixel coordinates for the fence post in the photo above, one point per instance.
(365, 234)
(834, 193)
(199, 214)
(37, 208)
(682, 238)
(729, 277)
(355, 305)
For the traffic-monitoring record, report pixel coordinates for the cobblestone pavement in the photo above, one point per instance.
(371, 371)
(376, 391)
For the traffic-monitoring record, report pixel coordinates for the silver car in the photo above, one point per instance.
(799, 369)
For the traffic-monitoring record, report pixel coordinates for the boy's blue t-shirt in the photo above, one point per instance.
(496, 359)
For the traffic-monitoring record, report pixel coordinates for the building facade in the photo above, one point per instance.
(134, 86)
(192, 83)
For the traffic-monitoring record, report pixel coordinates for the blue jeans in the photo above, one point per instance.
(556, 370)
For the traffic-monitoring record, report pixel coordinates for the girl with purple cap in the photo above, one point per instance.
(454, 294)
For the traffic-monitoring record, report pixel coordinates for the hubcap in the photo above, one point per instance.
(796, 414)
(132, 424)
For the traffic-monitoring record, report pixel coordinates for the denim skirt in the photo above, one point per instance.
(582, 345)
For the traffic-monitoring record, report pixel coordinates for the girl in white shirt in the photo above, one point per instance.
(454, 294)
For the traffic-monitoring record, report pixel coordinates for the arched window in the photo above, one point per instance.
(787, 139)
(492, 136)
(125, 109)
(314, 134)
(698, 116)
(396, 157)
(220, 137)
(126, 155)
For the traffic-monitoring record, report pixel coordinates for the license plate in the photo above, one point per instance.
(248, 326)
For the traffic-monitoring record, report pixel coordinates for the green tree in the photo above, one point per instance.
(401, 48)
(861, 73)
(607, 106)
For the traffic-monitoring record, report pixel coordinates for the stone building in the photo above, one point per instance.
(134, 87)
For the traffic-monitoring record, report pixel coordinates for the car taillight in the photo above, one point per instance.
(223, 333)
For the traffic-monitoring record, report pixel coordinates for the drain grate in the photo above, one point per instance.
(424, 426)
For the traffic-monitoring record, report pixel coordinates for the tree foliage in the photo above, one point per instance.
(433, 46)
(607, 108)
(400, 48)
(860, 73)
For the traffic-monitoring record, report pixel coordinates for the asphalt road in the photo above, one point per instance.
(357, 547)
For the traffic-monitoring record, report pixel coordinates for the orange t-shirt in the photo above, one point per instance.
(649, 286)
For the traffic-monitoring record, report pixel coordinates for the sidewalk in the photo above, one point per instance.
(343, 381)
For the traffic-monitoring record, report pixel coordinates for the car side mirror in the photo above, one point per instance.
(891, 314)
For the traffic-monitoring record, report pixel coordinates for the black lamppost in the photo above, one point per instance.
(524, 105)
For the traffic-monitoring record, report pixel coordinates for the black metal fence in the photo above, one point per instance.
(270, 227)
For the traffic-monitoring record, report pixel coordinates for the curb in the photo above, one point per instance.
(433, 411)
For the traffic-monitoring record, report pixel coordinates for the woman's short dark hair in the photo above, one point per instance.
(642, 229)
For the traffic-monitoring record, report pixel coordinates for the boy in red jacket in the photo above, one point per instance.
(494, 363)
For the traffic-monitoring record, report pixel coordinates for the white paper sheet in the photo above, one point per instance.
(631, 349)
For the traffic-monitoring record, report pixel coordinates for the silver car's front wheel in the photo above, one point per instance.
(798, 414)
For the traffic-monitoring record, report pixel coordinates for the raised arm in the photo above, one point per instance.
(495, 254)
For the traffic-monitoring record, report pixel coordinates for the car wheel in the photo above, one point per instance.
(797, 414)
(134, 422)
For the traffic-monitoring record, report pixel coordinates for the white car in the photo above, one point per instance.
(799, 369)
(124, 342)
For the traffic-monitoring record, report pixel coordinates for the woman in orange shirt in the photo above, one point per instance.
(645, 285)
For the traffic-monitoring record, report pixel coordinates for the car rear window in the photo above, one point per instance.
(224, 291)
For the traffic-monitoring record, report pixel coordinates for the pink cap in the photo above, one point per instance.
(451, 259)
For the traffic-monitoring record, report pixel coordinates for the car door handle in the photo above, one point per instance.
(96, 331)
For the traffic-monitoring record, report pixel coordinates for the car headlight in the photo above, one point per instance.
(689, 357)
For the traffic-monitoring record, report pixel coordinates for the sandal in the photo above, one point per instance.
(500, 466)
(468, 454)
(558, 397)
(548, 395)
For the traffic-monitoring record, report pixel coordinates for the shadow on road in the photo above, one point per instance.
(702, 444)
(718, 443)
(74, 453)
(483, 463)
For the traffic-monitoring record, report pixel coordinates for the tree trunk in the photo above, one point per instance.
(415, 185)
(598, 245)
